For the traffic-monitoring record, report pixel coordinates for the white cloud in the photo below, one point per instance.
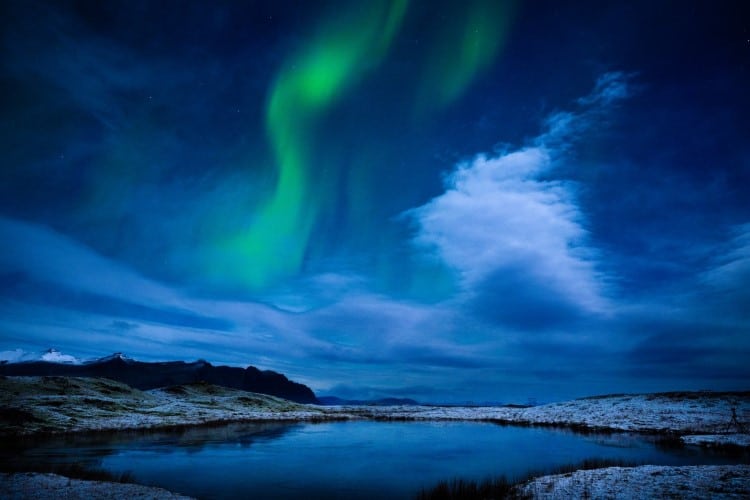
(50, 355)
(564, 128)
(14, 356)
(498, 213)
(55, 356)
(609, 88)
(509, 212)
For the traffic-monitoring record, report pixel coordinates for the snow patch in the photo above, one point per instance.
(648, 481)
(112, 357)
(53, 486)
(709, 440)
(673, 413)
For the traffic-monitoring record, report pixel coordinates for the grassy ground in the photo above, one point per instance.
(51, 405)
(503, 488)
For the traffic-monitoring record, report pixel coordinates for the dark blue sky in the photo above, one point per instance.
(481, 200)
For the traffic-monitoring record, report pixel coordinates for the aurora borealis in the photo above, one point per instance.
(450, 201)
(308, 85)
(277, 237)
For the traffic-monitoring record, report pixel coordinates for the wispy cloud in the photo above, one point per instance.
(701, 324)
(729, 273)
(46, 255)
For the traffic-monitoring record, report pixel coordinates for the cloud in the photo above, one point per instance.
(726, 280)
(50, 355)
(692, 348)
(47, 268)
(699, 325)
(498, 215)
(15, 355)
(424, 392)
(565, 128)
(610, 88)
(515, 233)
(54, 356)
(123, 326)
(513, 297)
(48, 256)
(55, 290)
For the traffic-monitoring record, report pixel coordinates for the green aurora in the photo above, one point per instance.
(346, 49)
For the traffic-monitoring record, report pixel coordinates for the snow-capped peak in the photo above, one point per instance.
(112, 357)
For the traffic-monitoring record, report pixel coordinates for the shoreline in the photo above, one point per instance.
(24, 485)
(41, 407)
(644, 481)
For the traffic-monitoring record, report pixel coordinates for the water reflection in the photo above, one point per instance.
(342, 459)
(89, 449)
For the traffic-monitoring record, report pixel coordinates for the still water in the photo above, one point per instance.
(343, 459)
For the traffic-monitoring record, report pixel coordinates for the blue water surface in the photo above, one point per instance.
(347, 459)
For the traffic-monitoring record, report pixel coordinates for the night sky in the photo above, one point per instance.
(450, 201)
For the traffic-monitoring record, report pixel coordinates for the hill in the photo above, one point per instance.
(144, 376)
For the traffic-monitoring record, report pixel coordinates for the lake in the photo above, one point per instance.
(342, 459)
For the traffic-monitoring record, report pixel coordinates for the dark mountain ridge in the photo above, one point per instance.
(333, 401)
(142, 375)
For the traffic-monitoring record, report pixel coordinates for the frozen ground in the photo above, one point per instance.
(678, 412)
(648, 481)
(30, 405)
(39, 405)
(51, 486)
(699, 418)
(709, 440)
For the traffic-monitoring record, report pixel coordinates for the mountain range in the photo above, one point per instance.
(143, 375)
(334, 401)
